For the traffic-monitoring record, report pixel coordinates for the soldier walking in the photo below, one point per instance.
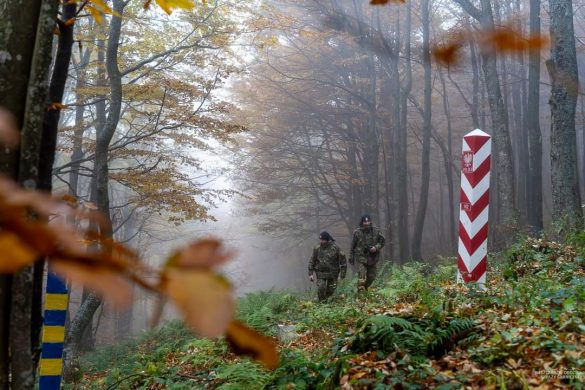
(328, 263)
(365, 251)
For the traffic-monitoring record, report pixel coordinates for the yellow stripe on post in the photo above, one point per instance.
(56, 302)
(53, 334)
(51, 366)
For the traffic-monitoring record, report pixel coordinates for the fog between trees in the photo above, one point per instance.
(315, 112)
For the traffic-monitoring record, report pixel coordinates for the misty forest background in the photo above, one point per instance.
(264, 123)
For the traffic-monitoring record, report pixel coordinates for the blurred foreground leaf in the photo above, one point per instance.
(246, 341)
(204, 298)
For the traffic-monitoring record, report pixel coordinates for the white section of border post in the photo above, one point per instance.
(474, 207)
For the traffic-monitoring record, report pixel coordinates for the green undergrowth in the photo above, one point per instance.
(416, 328)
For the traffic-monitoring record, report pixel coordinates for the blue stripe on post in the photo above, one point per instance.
(52, 350)
(55, 285)
(55, 317)
(53, 333)
(52, 382)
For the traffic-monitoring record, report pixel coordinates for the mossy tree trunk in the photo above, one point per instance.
(25, 59)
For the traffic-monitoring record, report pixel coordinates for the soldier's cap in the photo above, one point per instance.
(366, 218)
(325, 236)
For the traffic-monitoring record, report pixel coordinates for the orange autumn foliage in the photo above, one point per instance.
(501, 40)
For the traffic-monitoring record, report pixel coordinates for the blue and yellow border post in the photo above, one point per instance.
(51, 366)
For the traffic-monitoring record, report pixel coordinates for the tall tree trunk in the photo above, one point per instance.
(104, 134)
(562, 68)
(504, 170)
(447, 160)
(532, 118)
(77, 153)
(372, 144)
(356, 193)
(23, 332)
(519, 93)
(125, 316)
(503, 147)
(401, 151)
(48, 145)
(426, 149)
(25, 39)
(17, 37)
(56, 91)
(78, 325)
(475, 84)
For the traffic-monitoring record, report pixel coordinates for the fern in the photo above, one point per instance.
(445, 339)
(242, 375)
(386, 333)
(414, 336)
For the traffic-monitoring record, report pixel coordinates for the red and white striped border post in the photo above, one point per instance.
(474, 202)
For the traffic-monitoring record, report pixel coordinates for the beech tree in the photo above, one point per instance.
(562, 68)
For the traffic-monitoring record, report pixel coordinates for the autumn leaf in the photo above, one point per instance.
(69, 199)
(9, 135)
(446, 54)
(246, 341)
(503, 39)
(169, 5)
(204, 297)
(204, 253)
(537, 42)
(69, 22)
(104, 7)
(27, 236)
(15, 253)
(56, 106)
(97, 277)
(97, 15)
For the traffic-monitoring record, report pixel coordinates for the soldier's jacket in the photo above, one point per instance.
(328, 261)
(362, 240)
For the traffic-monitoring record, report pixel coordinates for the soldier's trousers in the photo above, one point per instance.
(326, 288)
(366, 275)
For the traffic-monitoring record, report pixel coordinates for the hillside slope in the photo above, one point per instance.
(415, 329)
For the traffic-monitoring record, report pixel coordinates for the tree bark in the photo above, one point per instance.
(401, 150)
(77, 327)
(77, 153)
(447, 161)
(426, 147)
(562, 68)
(17, 38)
(18, 32)
(104, 134)
(24, 67)
(532, 118)
(56, 91)
(475, 85)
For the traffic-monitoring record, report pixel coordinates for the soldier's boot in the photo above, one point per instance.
(331, 287)
(321, 290)
(361, 288)
(371, 274)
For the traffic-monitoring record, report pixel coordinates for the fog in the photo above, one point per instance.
(322, 111)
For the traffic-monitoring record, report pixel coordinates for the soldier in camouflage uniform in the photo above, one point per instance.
(365, 250)
(328, 263)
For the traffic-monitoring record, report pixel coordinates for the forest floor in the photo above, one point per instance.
(415, 329)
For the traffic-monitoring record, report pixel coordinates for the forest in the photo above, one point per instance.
(279, 194)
